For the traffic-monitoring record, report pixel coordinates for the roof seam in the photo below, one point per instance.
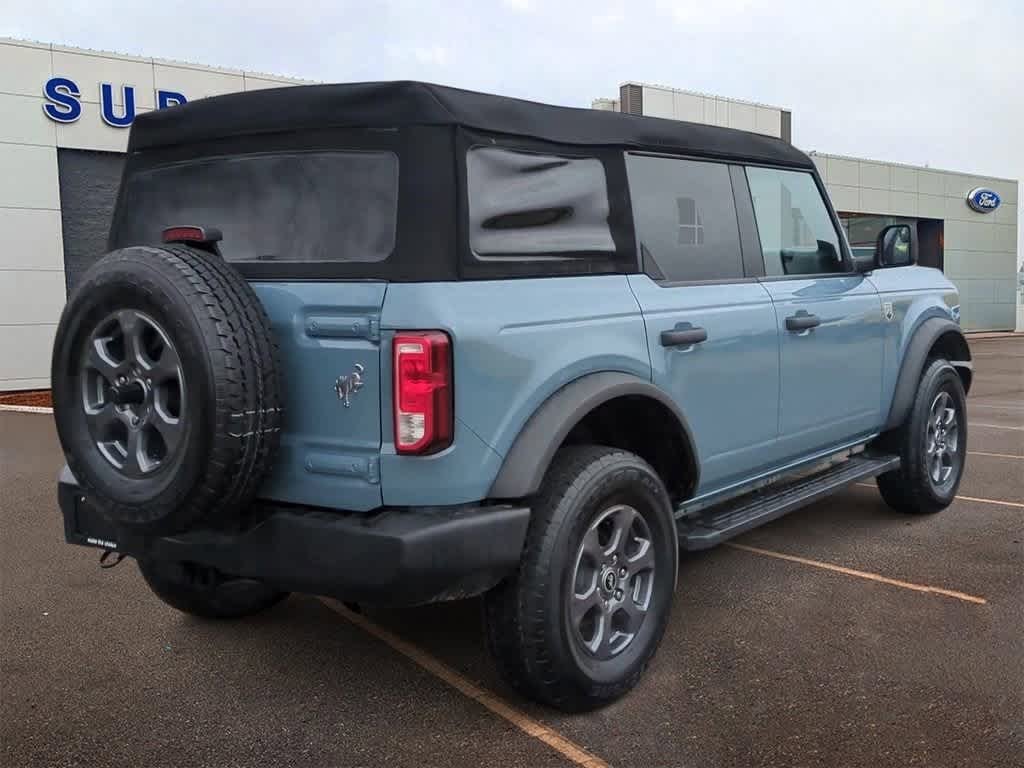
(430, 89)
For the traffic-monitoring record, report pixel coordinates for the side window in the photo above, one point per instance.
(529, 204)
(797, 234)
(685, 218)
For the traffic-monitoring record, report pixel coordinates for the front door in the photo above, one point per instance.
(830, 332)
(829, 319)
(711, 330)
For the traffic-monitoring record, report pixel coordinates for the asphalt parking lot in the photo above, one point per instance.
(819, 640)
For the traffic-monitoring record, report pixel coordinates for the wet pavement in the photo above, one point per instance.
(766, 662)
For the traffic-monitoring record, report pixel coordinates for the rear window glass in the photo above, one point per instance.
(530, 204)
(302, 206)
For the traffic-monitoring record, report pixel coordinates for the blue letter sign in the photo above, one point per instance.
(166, 99)
(107, 105)
(62, 102)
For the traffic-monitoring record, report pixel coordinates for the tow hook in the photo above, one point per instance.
(116, 562)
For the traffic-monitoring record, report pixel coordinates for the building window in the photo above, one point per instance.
(691, 224)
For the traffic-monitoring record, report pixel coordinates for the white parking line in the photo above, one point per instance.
(998, 502)
(996, 455)
(991, 501)
(860, 574)
(993, 426)
(545, 734)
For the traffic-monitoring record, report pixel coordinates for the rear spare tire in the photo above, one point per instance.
(165, 388)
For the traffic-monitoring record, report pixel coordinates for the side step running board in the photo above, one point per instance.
(716, 524)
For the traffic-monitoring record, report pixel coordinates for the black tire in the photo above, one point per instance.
(223, 365)
(536, 645)
(206, 593)
(914, 488)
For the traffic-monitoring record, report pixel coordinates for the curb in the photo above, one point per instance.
(25, 409)
(993, 335)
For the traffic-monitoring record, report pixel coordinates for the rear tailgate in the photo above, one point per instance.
(328, 214)
(329, 335)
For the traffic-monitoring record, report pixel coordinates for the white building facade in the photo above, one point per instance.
(64, 129)
(978, 251)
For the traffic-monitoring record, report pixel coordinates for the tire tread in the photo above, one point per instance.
(907, 489)
(519, 632)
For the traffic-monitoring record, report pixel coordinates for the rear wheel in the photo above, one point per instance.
(205, 592)
(579, 622)
(932, 444)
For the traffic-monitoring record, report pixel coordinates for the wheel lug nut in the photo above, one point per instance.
(615, 559)
(618, 594)
(135, 421)
(622, 572)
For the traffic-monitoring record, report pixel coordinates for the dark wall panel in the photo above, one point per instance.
(930, 243)
(88, 190)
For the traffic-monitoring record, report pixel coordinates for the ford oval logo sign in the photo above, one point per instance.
(983, 200)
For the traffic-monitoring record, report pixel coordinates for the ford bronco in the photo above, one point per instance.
(404, 343)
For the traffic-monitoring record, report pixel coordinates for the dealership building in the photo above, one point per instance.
(66, 114)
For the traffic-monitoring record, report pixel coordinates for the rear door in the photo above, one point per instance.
(303, 213)
(829, 318)
(711, 327)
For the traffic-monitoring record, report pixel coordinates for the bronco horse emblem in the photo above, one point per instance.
(346, 386)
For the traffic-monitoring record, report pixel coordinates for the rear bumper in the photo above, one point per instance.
(405, 556)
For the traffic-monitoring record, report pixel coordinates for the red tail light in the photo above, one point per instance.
(422, 361)
(189, 234)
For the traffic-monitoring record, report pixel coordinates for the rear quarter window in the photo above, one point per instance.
(536, 205)
(330, 206)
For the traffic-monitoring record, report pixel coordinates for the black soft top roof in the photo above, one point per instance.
(400, 103)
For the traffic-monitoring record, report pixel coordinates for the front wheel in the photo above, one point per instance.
(579, 622)
(932, 444)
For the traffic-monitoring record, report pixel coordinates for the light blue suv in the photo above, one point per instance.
(399, 342)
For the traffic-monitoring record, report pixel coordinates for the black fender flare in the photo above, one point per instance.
(914, 360)
(526, 462)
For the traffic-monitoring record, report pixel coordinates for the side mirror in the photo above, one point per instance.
(896, 246)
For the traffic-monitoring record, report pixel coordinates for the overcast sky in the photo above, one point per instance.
(939, 82)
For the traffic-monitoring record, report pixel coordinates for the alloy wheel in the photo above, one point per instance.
(613, 581)
(942, 439)
(133, 392)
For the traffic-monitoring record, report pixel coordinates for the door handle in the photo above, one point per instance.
(802, 321)
(683, 337)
